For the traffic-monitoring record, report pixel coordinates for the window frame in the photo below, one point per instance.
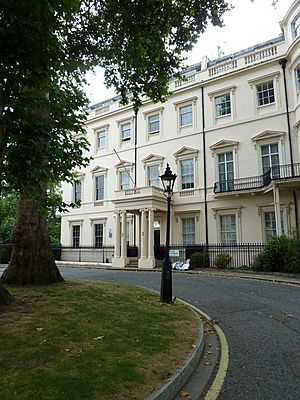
(156, 131)
(189, 233)
(229, 183)
(181, 114)
(148, 175)
(284, 219)
(73, 238)
(191, 183)
(261, 100)
(296, 26)
(98, 129)
(227, 232)
(269, 156)
(297, 77)
(226, 107)
(101, 237)
(103, 132)
(121, 174)
(126, 138)
(76, 184)
(96, 177)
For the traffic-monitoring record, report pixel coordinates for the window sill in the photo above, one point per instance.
(185, 126)
(266, 105)
(98, 203)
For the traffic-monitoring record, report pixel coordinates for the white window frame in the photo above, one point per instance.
(101, 129)
(126, 138)
(284, 219)
(79, 236)
(223, 107)
(97, 221)
(99, 171)
(148, 175)
(296, 26)
(152, 160)
(124, 167)
(185, 218)
(95, 224)
(125, 173)
(269, 156)
(179, 105)
(227, 232)
(156, 121)
(101, 138)
(268, 138)
(192, 183)
(229, 183)
(187, 153)
(75, 185)
(237, 211)
(269, 93)
(225, 146)
(96, 194)
(157, 134)
(214, 95)
(183, 113)
(267, 107)
(297, 77)
(72, 223)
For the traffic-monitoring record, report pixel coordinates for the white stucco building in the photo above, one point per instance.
(231, 133)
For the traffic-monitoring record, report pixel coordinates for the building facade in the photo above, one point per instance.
(230, 131)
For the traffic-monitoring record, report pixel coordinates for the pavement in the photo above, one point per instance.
(203, 373)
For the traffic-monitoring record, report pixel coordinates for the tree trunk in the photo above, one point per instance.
(32, 260)
(3, 146)
(5, 297)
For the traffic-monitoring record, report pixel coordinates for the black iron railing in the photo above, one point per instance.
(250, 183)
(279, 172)
(242, 254)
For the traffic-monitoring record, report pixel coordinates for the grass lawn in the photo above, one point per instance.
(90, 340)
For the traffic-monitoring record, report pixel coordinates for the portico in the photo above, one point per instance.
(140, 205)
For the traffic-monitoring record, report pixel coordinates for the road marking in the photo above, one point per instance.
(217, 384)
(214, 390)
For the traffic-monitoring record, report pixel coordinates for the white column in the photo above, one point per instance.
(139, 234)
(150, 234)
(123, 236)
(118, 236)
(144, 235)
(277, 210)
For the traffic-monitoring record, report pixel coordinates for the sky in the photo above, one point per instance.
(249, 23)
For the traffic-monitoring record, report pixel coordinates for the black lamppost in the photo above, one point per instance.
(168, 180)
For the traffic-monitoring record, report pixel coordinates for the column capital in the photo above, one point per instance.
(143, 209)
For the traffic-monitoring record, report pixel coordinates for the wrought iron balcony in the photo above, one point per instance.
(280, 172)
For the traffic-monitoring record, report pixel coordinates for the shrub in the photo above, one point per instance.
(199, 260)
(281, 254)
(223, 260)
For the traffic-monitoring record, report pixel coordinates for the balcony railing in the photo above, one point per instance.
(279, 172)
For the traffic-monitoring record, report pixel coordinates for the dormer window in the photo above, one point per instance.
(296, 26)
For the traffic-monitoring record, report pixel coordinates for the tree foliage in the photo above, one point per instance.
(46, 47)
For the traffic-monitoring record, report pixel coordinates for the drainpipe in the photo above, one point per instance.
(283, 63)
(135, 169)
(204, 167)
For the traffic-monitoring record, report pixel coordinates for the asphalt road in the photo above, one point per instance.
(261, 322)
